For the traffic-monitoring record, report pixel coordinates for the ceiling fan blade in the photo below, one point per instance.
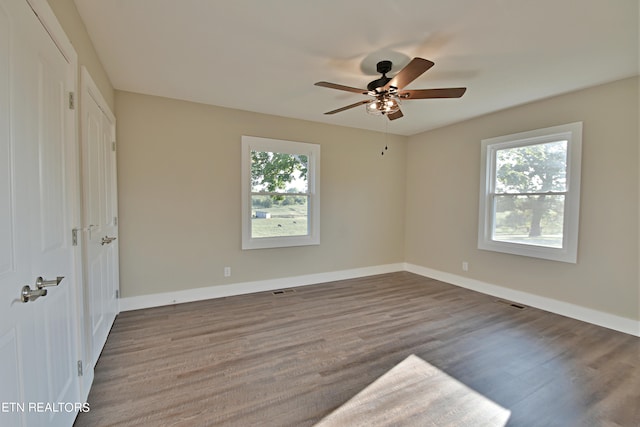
(412, 71)
(452, 92)
(342, 87)
(355, 104)
(395, 115)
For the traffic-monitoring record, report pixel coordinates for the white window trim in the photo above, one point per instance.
(572, 133)
(252, 143)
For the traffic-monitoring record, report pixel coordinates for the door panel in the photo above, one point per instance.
(51, 149)
(7, 248)
(11, 390)
(97, 296)
(62, 376)
(94, 196)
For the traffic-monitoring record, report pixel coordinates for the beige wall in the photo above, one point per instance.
(67, 14)
(443, 168)
(179, 196)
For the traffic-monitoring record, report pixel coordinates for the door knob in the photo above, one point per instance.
(29, 294)
(41, 283)
(106, 240)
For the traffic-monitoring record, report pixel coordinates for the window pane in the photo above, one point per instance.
(531, 220)
(277, 216)
(278, 172)
(532, 168)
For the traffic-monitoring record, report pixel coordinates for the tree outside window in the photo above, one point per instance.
(530, 189)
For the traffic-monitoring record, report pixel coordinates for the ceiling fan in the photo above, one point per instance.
(388, 91)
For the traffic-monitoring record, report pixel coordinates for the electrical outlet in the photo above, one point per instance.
(227, 272)
(465, 266)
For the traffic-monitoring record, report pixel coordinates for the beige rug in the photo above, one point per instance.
(414, 393)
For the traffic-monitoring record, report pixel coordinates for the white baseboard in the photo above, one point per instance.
(600, 318)
(607, 320)
(219, 291)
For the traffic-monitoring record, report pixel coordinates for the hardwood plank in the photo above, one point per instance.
(291, 359)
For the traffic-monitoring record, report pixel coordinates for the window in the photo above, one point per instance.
(530, 193)
(280, 193)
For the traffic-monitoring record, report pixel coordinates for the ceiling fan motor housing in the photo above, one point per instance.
(382, 67)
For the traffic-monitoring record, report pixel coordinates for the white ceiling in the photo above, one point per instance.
(265, 55)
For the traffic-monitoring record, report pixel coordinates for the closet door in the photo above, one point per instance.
(39, 203)
(100, 215)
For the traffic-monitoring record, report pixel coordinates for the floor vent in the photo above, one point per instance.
(512, 304)
(283, 291)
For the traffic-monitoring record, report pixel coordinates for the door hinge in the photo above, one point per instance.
(117, 293)
(72, 101)
(79, 368)
(115, 220)
(113, 146)
(74, 237)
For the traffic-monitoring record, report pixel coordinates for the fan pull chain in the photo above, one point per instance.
(386, 135)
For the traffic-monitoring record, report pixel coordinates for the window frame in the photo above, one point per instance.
(572, 133)
(312, 151)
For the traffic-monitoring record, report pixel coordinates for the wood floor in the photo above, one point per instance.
(292, 358)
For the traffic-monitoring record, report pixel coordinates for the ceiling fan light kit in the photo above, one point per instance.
(382, 105)
(388, 91)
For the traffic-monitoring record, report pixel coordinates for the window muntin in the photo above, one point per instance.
(280, 193)
(529, 201)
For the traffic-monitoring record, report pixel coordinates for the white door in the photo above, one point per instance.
(38, 338)
(99, 216)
